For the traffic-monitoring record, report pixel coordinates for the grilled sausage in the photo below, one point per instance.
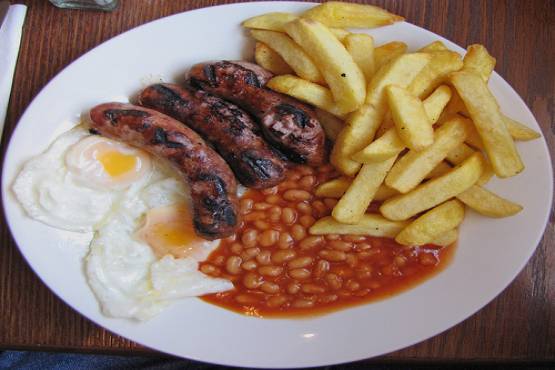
(231, 130)
(213, 186)
(289, 125)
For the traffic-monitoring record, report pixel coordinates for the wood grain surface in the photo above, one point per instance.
(519, 325)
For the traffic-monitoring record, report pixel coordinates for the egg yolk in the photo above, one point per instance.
(116, 163)
(169, 230)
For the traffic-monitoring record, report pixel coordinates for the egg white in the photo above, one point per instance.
(123, 271)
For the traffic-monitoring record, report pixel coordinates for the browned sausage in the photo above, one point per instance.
(213, 186)
(287, 124)
(231, 130)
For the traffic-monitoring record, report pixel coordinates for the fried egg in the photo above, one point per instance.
(146, 255)
(77, 181)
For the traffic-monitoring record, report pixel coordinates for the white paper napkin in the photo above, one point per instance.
(10, 38)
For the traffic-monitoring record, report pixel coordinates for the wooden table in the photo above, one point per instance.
(519, 325)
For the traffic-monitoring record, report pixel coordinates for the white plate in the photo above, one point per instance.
(490, 254)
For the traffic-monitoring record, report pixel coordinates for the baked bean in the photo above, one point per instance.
(296, 195)
(285, 240)
(322, 266)
(268, 287)
(362, 292)
(283, 255)
(287, 185)
(276, 301)
(340, 245)
(298, 232)
(246, 299)
(249, 265)
(270, 270)
(335, 282)
(364, 272)
(368, 253)
(332, 255)
(293, 288)
(261, 225)
(245, 205)
(427, 259)
(293, 176)
(249, 253)
(307, 182)
(275, 214)
(307, 221)
(302, 303)
(252, 280)
(299, 262)
(311, 242)
(288, 216)
(219, 261)
(255, 215)
(268, 238)
(354, 238)
(236, 248)
(328, 298)
(249, 238)
(233, 265)
(263, 257)
(320, 207)
(332, 236)
(261, 206)
(273, 199)
(330, 202)
(231, 238)
(352, 285)
(209, 269)
(304, 208)
(312, 289)
(374, 285)
(351, 260)
(400, 261)
(305, 170)
(362, 246)
(388, 270)
(270, 191)
(299, 274)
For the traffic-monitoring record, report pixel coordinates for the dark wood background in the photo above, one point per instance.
(519, 325)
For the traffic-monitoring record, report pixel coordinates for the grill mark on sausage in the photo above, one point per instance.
(161, 137)
(114, 114)
(170, 97)
(210, 74)
(261, 166)
(299, 117)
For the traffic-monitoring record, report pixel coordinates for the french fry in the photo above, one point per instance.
(435, 72)
(353, 204)
(386, 146)
(292, 53)
(331, 124)
(436, 102)
(358, 132)
(432, 224)
(484, 111)
(447, 238)
(370, 224)
(487, 203)
(412, 168)
(348, 15)
(337, 187)
(385, 53)
(340, 72)
(439, 170)
(270, 60)
(434, 191)
(334, 188)
(461, 153)
(433, 46)
(384, 192)
(519, 131)
(361, 48)
(270, 21)
(306, 91)
(411, 121)
(340, 33)
(478, 60)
